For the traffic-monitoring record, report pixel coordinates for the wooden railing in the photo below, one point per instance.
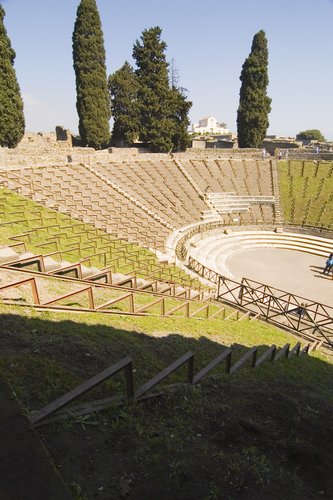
(308, 318)
(187, 306)
(124, 364)
(43, 415)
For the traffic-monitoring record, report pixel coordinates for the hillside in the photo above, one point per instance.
(306, 192)
(255, 434)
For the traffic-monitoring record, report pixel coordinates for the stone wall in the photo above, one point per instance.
(218, 153)
(46, 150)
(273, 146)
(299, 154)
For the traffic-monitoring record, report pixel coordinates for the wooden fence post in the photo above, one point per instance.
(190, 366)
(131, 299)
(129, 380)
(91, 298)
(35, 293)
(228, 363)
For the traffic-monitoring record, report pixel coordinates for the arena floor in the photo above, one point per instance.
(289, 270)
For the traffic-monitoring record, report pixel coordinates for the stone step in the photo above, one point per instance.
(50, 264)
(88, 271)
(7, 254)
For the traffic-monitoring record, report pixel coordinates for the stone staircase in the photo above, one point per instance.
(276, 190)
(229, 202)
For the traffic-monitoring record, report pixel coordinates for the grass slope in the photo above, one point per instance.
(256, 434)
(306, 189)
(50, 231)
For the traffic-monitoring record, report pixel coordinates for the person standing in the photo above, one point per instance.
(329, 264)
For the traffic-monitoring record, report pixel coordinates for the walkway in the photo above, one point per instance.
(295, 272)
(289, 270)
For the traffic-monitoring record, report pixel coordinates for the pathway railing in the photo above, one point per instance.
(308, 318)
(44, 415)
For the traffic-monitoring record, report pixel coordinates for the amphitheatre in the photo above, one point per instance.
(118, 257)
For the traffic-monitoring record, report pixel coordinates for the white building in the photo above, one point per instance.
(209, 124)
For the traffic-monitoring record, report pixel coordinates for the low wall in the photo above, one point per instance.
(297, 154)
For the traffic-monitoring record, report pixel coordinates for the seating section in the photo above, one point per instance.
(77, 191)
(249, 181)
(49, 260)
(244, 177)
(144, 201)
(33, 235)
(161, 186)
(306, 189)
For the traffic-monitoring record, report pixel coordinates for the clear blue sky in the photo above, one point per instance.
(209, 41)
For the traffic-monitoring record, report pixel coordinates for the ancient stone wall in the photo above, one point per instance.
(299, 154)
(46, 150)
(273, 146)
(217, 153)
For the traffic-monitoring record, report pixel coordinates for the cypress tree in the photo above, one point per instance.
(123, 87)
(254, 105)
(181, 107)
(92, 101)
(12, 123)
(156, 124)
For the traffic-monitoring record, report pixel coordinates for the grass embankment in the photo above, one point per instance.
(115, 300)
(306, 189)
(256, 434)
(47, 231)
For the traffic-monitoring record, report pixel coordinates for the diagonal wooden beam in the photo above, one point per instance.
(224, 355)
(85, 387)
(252, 353)
(268, 353)
(186, 358)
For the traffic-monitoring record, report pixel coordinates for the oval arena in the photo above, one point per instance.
(231, 213)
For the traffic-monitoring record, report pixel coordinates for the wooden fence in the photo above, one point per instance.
(167, 303)
(44, 415)
(308, 318)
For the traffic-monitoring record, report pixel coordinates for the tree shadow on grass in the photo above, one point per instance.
(265, 430)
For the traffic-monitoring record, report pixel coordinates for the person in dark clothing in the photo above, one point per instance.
(329, 264)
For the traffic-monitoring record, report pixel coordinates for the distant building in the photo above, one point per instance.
(209, 125)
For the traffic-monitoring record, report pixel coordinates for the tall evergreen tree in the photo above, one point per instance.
(12, 122)
(156, 124)
(123, 87)
(181, 107)
(92, 101)
(254, 105)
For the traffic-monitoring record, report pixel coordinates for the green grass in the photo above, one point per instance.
(152, 342)
(266, 430)
(53, 288)
(46, 231)
(306, 189)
